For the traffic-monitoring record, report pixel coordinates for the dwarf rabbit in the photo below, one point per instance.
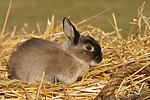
(64, 61)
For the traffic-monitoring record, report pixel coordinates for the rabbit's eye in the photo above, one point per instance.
(89, 48)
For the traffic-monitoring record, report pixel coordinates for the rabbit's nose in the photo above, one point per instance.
(98, 58)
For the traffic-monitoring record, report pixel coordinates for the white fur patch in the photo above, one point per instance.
(79, 60)
(93, 63)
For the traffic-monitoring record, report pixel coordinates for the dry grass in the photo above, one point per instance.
(117, 52)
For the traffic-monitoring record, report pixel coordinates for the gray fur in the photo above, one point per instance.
(64, 61)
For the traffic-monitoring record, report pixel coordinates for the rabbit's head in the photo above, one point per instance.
(83, 48)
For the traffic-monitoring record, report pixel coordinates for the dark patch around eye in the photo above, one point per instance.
(89, 39)
(97, 55)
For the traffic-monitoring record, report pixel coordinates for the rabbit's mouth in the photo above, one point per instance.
(93, 66)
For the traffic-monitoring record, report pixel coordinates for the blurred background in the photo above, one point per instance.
(37, 11)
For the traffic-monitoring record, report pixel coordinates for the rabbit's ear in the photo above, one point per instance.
(70, 32)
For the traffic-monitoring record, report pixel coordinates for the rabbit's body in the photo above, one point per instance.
(33, 55)
(64, 61)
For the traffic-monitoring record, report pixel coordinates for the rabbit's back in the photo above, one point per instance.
(30, 58)
(37, 56)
